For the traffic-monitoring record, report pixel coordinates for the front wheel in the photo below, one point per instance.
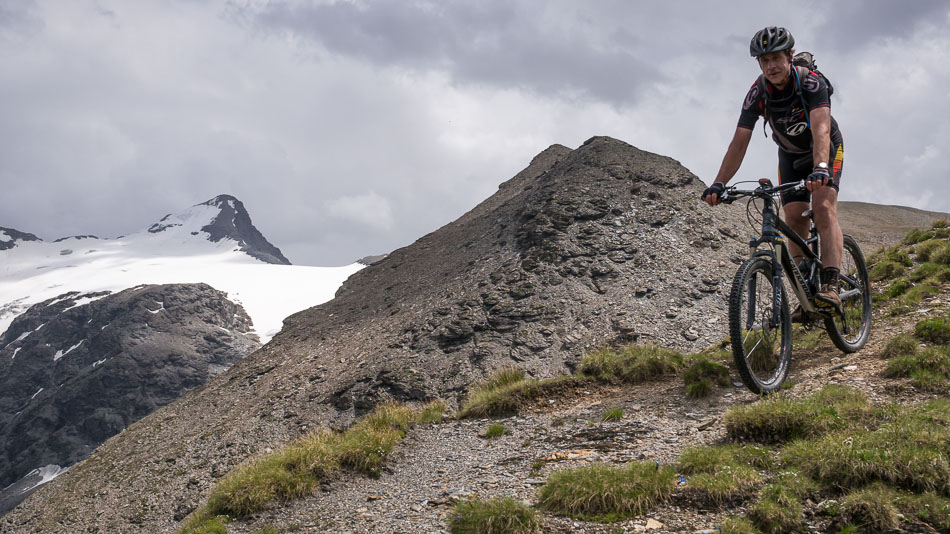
(851, 331)
(761, 341)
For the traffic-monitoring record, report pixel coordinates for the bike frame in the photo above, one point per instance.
(775, 231)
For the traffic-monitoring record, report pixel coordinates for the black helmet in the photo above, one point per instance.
(771, 39)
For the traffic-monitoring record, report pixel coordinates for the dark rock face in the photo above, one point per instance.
(604, 244)
(14, 236)
(77, 369)
(235, 223)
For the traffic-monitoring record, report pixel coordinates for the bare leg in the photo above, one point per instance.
(799, 223)
(825, 203)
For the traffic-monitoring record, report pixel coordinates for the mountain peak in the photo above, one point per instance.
(223, 217)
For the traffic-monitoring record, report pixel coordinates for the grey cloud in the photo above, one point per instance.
(503, 44)
(854, 24)
(18, 17)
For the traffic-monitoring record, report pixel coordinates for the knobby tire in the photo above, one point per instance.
(851, 332)
(762, 352)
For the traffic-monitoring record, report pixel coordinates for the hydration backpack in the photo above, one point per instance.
(807, 60)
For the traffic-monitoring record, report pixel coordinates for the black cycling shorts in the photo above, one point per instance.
(788, 171)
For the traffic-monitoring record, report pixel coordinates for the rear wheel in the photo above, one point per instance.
(850, 332)
(761, 342)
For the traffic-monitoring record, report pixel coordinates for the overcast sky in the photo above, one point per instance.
(351, 128)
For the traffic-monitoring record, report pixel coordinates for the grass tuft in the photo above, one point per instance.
(505, 393)
(204, 523)
(701, 375)
(933, 330)
(723, 474)
(917, 235)
(780, 419)
(886, 270)
(615, 414)
(872, 508)
(929, 370)
(493, 516)
(777, 513)
(495, 431)
(900, 345)
(606, 493)
(930, 272)
(737, 525)
(295, 470)
(633, 364)
(779, 508)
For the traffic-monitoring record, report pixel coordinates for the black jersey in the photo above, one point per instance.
(786, 111)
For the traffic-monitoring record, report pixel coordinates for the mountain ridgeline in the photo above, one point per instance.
(605, 244)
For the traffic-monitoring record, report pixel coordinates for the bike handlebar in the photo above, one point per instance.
(731, 194)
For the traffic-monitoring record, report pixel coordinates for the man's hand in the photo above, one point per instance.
(713, 193)
(817, 179)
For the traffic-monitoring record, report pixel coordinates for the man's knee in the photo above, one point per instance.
(825, 207)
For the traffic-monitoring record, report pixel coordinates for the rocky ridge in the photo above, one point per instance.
(78, 369)
(605, 244)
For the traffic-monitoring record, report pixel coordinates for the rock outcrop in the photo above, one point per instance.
(78, 369)
(605, 244)
(9, 237)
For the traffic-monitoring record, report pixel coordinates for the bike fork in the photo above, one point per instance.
(776, 293)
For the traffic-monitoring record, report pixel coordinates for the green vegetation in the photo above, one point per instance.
(723, 474)
(811, 338)
(900, 345)
(633, 364)
(606, 493)
(615, 414)
(933, 330)
(506, 392)
(495, 431)
(927, 368)
(493, 516)
(298, 468)
(737, 525)
(930, 272)
(877, 463)
(917, 235)
(886, 270)
(908, 451)
(702, 375)
(873, 508)
(779, 419)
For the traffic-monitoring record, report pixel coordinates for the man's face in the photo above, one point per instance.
(775, 67)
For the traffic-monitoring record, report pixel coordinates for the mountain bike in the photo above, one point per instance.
(760, 321)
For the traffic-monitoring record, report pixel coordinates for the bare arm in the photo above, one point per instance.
(731, 161)
(821, 134)
(821, 140)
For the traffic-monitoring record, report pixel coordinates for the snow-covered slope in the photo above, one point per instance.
(206, 243)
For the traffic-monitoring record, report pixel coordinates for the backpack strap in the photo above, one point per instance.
(798, 85)
(764, 91)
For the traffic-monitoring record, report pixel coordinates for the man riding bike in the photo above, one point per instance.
(797, 107)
